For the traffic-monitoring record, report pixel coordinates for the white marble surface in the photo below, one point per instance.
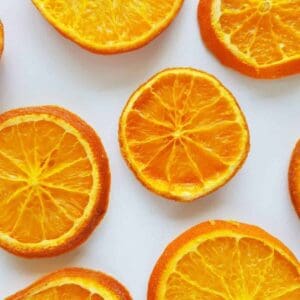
(40, 67)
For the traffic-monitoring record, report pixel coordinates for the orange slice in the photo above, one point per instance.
(225, 260)
(183, 134)
(54, 181)
(1, 38)
(107, 26)
(75, 284)
(294, 177)
(260, 38)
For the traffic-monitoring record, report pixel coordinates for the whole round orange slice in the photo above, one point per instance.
(294, 177)
(54, 181)
(183, 134)
(75, 284)
(221, 260)
(1, 38)
(260, 38)
(107, 26)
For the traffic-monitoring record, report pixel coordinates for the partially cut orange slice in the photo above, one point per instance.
(1, 38)
(74, 284)
(294, 177)
(54, 181)
(108, 26)
(260, 38)
(183, 134)
(220, 260)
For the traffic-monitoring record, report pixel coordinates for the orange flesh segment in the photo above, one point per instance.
(45, 181)
(183, 129)
(232, 268)
(105, 25)
(261, 32)
(68, 291)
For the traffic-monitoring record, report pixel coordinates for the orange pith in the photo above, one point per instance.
(260, 38)
(1, 38)
(221, 260)
(294, 177)
(183, 134)
(54, 181)
(105, 26)
(75, 284)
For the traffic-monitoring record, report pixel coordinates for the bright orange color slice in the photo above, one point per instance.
(221, 260)
(1, 38)
(260, 38)
(54, 181)
(74, 284)
(106, 26)
(183, 134)
(294, 177)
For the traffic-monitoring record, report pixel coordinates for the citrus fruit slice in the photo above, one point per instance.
(294, 177)
(260, 38)
(107, 26)
(221, 260)
(75, 284)
(1, 38)
(183, 134)
(54, 181)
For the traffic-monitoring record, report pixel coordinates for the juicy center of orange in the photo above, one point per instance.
(35, 176)
(178, 131)
(265, 6)
(33, 181)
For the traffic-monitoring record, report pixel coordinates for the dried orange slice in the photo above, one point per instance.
(54, 181)
(1, 38)
(75, 284)
(107, 26)
(183, 134)
(225, 260)
(260, 38)
(294, 177)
